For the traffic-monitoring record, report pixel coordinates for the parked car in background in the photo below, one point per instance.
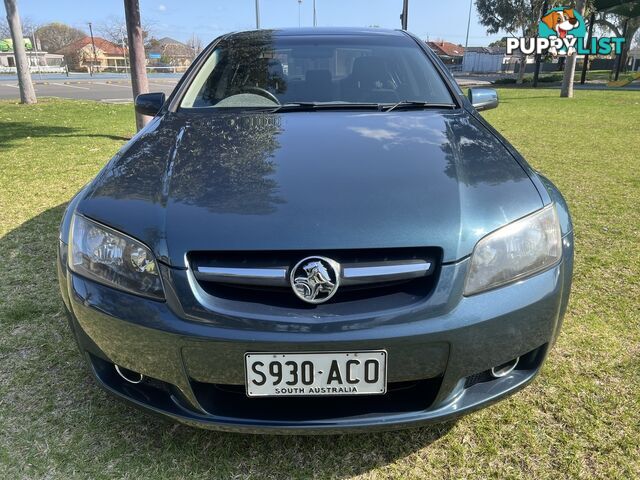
(317, 232)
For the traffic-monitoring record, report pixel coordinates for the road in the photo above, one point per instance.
(116, 88)
(103, 88)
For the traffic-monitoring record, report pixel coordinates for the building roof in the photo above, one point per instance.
(489, 50)
(169, 47)
(169, 40)
(160, 45)
(107, 47)
(446, 48)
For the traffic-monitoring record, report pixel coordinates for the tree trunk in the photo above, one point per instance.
(27, 93)
(136, 55)
(570, 65)
(522, 68)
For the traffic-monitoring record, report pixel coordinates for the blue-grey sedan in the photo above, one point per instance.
(316, 232)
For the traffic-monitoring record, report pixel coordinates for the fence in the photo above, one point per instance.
(127, 69)
(34, 69)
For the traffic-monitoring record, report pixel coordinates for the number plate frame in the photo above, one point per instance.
(318, 389)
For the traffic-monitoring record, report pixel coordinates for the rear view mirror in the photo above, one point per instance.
(149, 103)
(314, 51)
(483, 98)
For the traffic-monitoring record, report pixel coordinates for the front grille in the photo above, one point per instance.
(478, 378)
(384, 294)
(231, 401)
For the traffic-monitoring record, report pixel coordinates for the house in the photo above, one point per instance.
(80, 56)
(450, 53)
(39, 61)
(484, 59)
(168, 52)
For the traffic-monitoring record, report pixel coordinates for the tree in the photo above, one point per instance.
(114, 29)
(5, 31)
(195, 44)
(615, 24)
(518, 18)
(28, 26)
(502, 43)
(570, 65)
(54, 36)
(27, 93)
(135, 36)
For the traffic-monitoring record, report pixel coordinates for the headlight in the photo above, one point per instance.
(524, 247)
(110, 257)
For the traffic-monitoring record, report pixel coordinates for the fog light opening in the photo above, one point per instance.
(504, 369)
(129, 375)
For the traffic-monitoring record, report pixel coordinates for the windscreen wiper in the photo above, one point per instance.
(383, 107)
(302, 106)
(405, 104)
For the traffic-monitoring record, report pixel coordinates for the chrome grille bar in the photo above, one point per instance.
(354, 274)
(244, 276)
(351, 274)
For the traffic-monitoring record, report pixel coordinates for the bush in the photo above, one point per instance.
(505, 81)
(555, 77)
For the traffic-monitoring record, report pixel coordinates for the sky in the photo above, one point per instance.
(180, 19)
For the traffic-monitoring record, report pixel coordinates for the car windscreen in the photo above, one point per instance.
(261, 69)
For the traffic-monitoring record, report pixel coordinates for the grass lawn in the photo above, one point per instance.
(580, 418)
(556, 77)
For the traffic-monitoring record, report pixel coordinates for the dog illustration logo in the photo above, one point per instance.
(562, 23)
(562, 31)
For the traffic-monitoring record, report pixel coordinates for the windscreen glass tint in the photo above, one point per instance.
(260, 69)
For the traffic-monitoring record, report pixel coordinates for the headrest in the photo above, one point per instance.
(318, 76)
(275, 68)
(370, 67)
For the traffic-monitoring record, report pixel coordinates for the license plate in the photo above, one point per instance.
(311, 374)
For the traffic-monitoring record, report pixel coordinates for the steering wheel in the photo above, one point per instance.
(262, 92)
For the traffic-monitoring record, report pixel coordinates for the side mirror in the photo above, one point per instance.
(483, 98)
(149, 103)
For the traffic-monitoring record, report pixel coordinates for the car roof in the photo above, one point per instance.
(315, 31)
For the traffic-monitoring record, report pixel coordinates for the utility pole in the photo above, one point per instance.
(124, 51)
(136, 51)
(466, 40)
(299, 5)
(95, 56)
(35, 50)
(27, 93)
(315, 18)
(404, 15)
(257, 14)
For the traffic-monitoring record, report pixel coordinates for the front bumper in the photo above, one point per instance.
(436, 365)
